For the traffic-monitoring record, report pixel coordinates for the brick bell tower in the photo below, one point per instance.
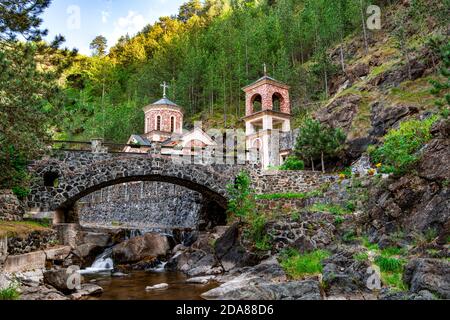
(267, 111)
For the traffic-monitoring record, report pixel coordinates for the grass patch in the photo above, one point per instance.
(21, 228)
(371, 246)
(362, 256)
(389, 264)
(330, 208)
(10, 293)
(299, 265)
(289, 195)
(394, 280)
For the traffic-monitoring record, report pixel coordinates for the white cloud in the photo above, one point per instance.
(132, 23)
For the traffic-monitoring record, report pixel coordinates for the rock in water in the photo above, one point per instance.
(151, 245)
(161, 286)
(243, 288)
(59, 279)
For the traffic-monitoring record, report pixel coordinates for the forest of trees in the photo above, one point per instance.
(208, 52)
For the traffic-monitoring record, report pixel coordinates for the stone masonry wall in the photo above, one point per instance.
(11, 209)
(142, 205)
(273, 181)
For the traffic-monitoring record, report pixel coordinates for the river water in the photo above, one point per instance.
(132, 287)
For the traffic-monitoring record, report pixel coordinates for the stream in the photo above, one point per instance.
(131, 286)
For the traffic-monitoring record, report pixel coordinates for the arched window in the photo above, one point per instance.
(158, 123)
(276, 101)
(172, 124)
(257, 103)
(257, 144)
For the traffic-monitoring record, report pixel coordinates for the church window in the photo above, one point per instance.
(276, 102)
(172, 124)
(158, 123)
(257, 103)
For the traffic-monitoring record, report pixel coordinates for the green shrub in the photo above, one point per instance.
(242, 199)
(293, 163)
(297, 265)
(21, 192)
(349, 236)
(389, 264)
(393, 251)
(398, 153)
(371, 246)
(10, 293)
(394, 280)
(330, 208)
(289, 195)
(347, 172)
(362, 256)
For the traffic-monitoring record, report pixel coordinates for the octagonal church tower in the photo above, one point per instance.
(163, 119)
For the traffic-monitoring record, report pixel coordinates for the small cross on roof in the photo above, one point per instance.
(165, 86)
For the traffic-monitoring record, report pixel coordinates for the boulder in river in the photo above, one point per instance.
(161, 286)
(151, 245)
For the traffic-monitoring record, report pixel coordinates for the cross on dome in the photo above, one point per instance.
(165, 86)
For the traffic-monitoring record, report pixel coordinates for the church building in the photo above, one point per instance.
(267, 125)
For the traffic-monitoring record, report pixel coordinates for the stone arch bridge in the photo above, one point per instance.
(65, 177)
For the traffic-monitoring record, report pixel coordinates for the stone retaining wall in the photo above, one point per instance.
(11, 208)
(273, 181)
(37, 240)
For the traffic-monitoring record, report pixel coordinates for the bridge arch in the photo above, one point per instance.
(80, 174)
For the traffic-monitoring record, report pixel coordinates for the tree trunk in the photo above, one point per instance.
(323, 163)
(366, 45)
(312, 165)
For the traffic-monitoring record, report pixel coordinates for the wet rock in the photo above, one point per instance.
(428, 274)
(207, 265)
(258, 289)
(201, 280)
(151, 245)
(87, 290)
(97, 239)
(59, 279)
(43, 293)
(161, 286)
(231, 253)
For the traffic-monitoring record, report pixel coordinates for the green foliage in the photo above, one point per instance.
(10, 293)
(293, 164)
(361, 256)
(347, 172)
(371, 246)
(389, 264)
(349, 236)
(316, 141)
(331, 208)
(299, 265)
(441, 89)
(394, 280)
(31, 97)
(99, 46)
(398, 153)
(289, 195)
(241, 203)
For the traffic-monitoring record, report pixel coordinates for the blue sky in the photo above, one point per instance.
(80, 21)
